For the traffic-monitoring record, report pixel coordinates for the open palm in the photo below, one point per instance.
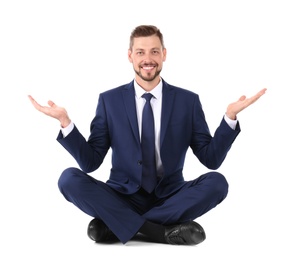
(242, 103)
(52, 110)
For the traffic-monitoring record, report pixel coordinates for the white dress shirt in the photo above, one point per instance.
(156, 103)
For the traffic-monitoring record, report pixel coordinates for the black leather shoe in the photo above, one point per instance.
(189, 233)
(99, 232)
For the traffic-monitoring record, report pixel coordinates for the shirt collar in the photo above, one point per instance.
(156, 91)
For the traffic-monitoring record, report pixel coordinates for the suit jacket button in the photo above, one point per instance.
(139, 162)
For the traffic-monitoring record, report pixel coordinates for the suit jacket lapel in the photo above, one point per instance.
(168, 94)
(130, 107)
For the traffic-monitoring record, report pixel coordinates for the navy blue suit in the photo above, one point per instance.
(115, 127)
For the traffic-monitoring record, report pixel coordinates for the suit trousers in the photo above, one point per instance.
(124, 214)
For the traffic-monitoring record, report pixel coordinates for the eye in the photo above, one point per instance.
(139, 52)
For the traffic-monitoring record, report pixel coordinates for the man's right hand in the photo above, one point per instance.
(52, 110)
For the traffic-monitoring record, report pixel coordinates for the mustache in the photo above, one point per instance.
(148, 64)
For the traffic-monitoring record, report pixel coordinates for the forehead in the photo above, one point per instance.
(149, 42)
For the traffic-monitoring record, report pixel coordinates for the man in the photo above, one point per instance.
(146, 192)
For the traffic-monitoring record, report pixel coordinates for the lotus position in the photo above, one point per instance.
(149, 125)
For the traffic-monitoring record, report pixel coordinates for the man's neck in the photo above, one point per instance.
(148, 85)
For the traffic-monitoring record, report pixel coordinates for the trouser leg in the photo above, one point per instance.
(194, 199)
(98, 200)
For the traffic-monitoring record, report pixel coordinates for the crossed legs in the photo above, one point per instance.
(125, 215)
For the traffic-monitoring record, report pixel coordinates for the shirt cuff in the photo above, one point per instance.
(67, 130)
(230, 122)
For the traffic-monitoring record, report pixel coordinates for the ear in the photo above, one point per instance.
(164, 54)
(130, 56)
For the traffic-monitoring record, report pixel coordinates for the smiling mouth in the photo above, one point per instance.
(148, 67)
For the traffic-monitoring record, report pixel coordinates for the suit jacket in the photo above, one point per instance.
(115, 127)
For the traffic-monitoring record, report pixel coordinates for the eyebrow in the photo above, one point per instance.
(152, 49)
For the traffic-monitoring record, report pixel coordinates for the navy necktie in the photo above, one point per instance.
(149, 176)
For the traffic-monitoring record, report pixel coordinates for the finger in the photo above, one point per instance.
(251, 100)
(242, 98)
(261, 92)
(31, 98)
(51, 104)
(34, 102)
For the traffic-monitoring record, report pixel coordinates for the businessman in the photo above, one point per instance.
(149, 125)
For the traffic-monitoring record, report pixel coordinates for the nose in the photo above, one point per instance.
(147, 57)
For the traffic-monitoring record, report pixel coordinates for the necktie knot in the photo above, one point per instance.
(147, 96)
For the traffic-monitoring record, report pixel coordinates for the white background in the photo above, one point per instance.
(70, 51)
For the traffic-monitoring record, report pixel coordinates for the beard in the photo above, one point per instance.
(149, 77)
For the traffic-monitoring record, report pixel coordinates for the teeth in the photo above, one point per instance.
(147, 68)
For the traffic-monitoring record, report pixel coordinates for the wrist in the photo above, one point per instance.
(231, 116)
(65, 122)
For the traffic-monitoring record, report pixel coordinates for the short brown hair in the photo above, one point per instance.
(144, 31)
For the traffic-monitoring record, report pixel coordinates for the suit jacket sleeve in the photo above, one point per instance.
(89, 154)
(211, 150)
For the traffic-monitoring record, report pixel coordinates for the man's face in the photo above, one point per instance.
(147, 56)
